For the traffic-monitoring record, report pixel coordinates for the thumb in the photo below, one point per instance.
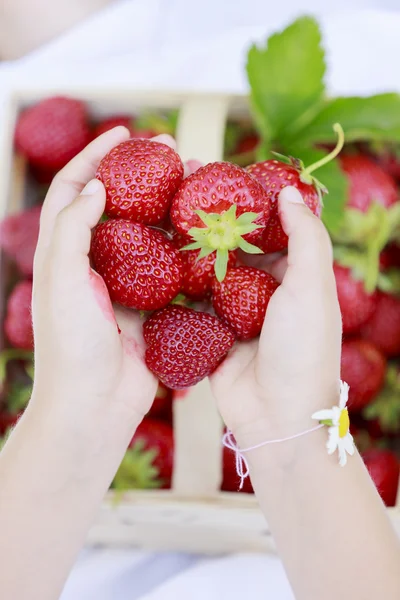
(72, 231)
(309, 248)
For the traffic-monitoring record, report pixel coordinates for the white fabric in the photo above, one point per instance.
(200, 46)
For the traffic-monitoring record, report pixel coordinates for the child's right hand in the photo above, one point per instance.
(85, 364)
(269, 388)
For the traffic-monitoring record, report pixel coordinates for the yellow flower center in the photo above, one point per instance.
(344, 423)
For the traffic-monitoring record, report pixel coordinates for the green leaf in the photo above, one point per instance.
(372, 118)
(247, 218)
(204, 252)
(221, 264)
(333, 178)
(249, 248)
(286, 78)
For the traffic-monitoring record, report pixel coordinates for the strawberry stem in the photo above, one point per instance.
(337, 128)
(221, 233)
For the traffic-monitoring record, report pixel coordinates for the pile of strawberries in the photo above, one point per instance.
(175, 249)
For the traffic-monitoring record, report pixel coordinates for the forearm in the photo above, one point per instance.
(332, 544)
(54, 474)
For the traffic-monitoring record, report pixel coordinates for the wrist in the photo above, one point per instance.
(93, 426)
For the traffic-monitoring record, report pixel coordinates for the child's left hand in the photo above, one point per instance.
(84, 364)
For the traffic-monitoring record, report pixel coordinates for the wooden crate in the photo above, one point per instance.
(193, 516)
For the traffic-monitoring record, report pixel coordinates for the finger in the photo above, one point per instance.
(70, 181)
(190, 166)
(309, 249)
(278, 268)
(130, 323)
(165, 138)
(237, 361)
(73, 225)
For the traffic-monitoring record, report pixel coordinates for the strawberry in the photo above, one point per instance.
(372, 215)
(52, 132)
(141, 178)
(198, 273)
(275, 175)
(184, 346)
(140, 267)
(148, 462)
(383, 468)
(18, 321)
(7, 421)
(241, 300)
(18, 238)
(368, 183)
(247, 143)
(390, 163)
(363, 368)
(111, 122)
(383, 327)
(356, 305)
(162, 404)
(222, 208)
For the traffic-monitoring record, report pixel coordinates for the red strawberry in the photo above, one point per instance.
(390, 163)
(185, 346)
(148, 463)
(18, 238)
(162, 404)
(111, 122)
(355, 304)
(275, 175)
(141, 178)
(7, 421)
(383, 468)
(52, 132)
(241, 300)
(198, 273)
(247, 143)
(383, 328)
(140, 267)
(222, 208)
(18, 321)
(368, 183)
(363, 368)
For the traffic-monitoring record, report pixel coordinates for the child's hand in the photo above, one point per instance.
(83, 362)
(269, 388)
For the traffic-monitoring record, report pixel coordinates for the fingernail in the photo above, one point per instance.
(91, 188)
(165, 138)
(292, 194)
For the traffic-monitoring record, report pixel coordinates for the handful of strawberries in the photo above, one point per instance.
(169, 243)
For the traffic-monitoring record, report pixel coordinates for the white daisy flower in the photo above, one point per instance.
(337, 419)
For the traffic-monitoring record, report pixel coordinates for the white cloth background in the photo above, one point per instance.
(201, 45)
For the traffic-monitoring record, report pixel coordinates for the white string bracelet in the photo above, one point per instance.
(339, 438)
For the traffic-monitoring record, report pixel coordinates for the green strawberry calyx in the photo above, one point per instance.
(367, 234)
(137, 470)
(386, 406)
(222, 233)
(306, 172)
